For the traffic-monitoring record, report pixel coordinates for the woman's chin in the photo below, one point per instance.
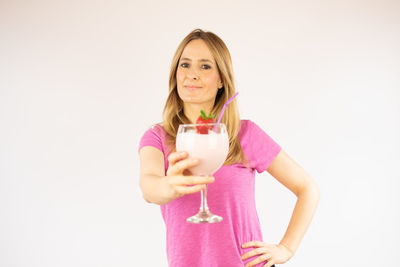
(192, 100)
(196, 98)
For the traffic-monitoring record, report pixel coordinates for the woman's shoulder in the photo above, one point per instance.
(155, 130)
(156, 127)
(154, 136)
(246, 125)
(250, 130)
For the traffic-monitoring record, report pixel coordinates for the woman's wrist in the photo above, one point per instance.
(168, 194)
(156, 190)
(290, 250)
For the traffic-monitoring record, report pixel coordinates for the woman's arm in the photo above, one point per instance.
(297, 180)
(152, 179)
(284, 169)
(159, 188)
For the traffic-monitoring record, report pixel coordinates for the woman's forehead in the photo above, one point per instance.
(197, 50)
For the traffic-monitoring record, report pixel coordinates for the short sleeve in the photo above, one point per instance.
(151, 137)
(258, 146)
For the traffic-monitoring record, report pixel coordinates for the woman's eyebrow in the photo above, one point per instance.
(201, 60)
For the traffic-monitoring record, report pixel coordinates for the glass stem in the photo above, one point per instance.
(204, 206)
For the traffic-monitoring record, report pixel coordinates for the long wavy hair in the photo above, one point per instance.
(173, 114)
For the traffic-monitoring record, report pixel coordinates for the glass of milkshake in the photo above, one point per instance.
(209, 143)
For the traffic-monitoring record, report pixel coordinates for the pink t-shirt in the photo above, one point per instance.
(230, 196)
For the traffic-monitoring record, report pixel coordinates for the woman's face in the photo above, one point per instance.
(197, 75)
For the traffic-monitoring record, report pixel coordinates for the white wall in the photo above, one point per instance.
(80, 81)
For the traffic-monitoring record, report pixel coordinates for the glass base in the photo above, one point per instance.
(204, 217)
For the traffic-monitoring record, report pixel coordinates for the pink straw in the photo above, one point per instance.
(223, 110)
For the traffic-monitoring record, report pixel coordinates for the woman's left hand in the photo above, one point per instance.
(273, 254)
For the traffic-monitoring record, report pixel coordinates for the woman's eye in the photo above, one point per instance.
(184, 65)
(206, 67)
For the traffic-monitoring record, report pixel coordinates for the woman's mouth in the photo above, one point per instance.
(191, 87)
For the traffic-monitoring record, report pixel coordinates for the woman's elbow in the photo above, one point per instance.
(314, 190)
(311, 189)
(142, 189)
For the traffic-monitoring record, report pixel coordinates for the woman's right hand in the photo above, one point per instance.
(179, 177)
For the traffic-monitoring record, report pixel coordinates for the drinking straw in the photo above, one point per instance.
(223, 110)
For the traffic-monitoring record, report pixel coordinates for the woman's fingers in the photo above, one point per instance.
(180, 184)
(191, 180)
(176, 156)
(254, 252)
(262, 258)
(267, 253)
(179, 163)
(184, 190)
(182, 165)
(194, 180)
(255, 243)
(271, 253)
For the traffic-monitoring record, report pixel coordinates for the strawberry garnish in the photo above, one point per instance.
(203, 118)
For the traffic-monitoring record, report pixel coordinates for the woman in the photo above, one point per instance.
(201, 78)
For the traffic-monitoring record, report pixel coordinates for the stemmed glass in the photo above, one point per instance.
(210, 144)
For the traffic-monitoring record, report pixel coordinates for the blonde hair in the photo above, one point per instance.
(173, 114)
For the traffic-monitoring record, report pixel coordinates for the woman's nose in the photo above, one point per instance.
(193, 74)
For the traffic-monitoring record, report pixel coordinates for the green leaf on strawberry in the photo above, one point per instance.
(202, 119)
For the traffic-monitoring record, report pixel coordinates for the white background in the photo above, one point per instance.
(80, 82)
